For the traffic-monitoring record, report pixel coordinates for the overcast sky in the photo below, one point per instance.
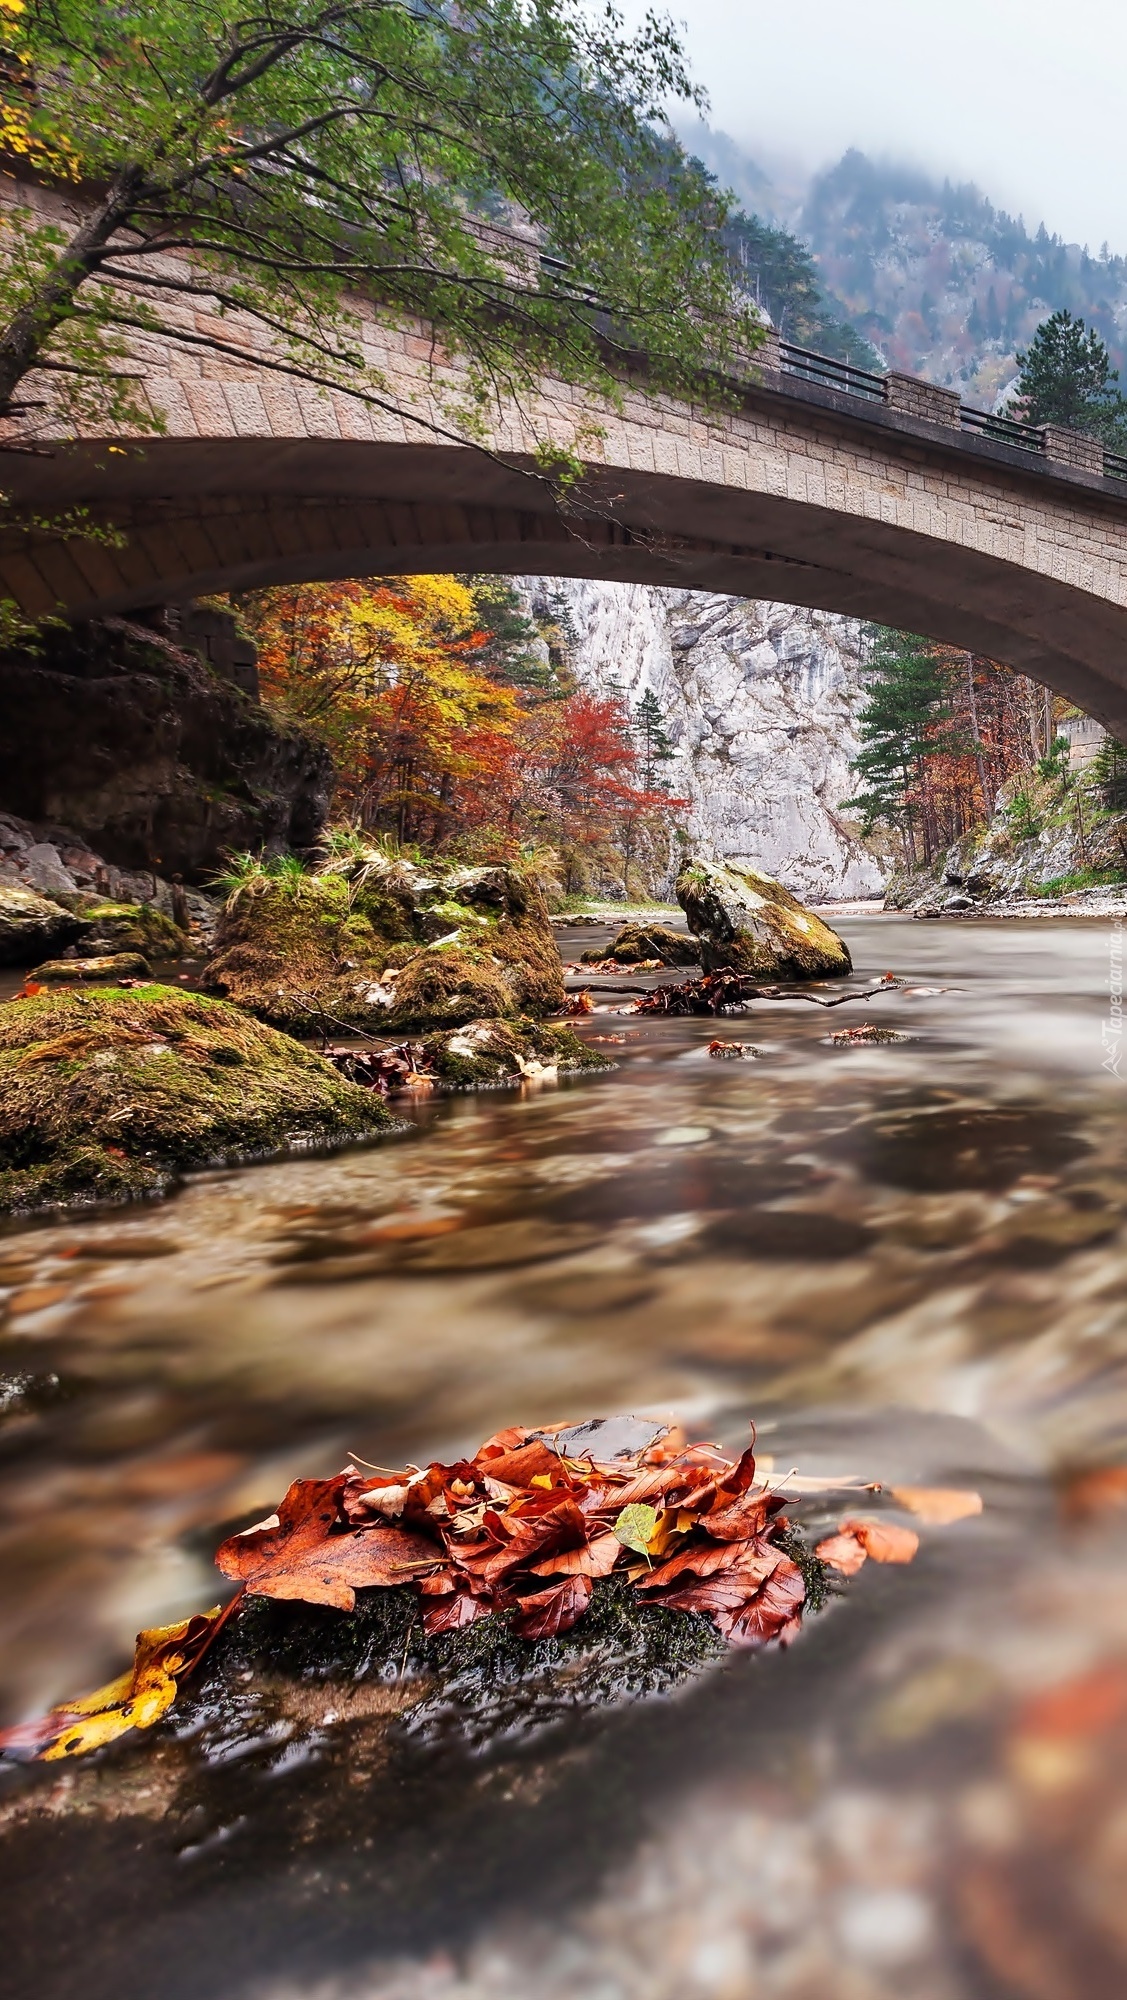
(1026, 97)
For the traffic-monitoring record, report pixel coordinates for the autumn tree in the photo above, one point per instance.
(941, 731)
(389, 674)
(420, 687)
(268, 164)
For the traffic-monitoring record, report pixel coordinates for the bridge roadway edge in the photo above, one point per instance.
(802, 494)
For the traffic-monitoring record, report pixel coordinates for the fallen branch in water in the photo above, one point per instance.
(722, 992)
(524, 1529)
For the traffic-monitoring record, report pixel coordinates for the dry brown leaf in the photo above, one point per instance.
(883, 1541)
(938, 1505)
(843, 1552)
(554, 1610)
(308, 1557)
(1090, 1494)
(596, 1558)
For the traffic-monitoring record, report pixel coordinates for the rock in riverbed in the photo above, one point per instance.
(113, 1093)
(103, 970)
(478, 1054)
(639, 944)
(376, 942)
(753, 925)
(31, 925)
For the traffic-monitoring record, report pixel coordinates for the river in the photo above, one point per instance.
(907, 1261)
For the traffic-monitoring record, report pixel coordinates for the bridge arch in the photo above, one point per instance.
(800, 492)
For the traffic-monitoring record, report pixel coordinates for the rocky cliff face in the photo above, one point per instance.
(142, 752)
(760, 702)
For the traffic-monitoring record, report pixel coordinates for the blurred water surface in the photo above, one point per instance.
(908, 1261)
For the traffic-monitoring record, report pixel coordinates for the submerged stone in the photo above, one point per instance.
(115, 965)
(638, 944)
(750, 924)
(501, 1051)
(377, 943)
(110, 1094)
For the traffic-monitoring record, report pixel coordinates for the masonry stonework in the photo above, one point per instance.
(795, 493)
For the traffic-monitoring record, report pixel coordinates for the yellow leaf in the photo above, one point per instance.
(135, 1700)
(154, 1695)
(542, 1479)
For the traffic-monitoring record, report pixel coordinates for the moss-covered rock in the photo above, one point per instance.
(32, 925)
(378, 943)
(105, 971)
(113, 927)
(113, 1093)
(484, 1052)
(753, 925)
(638, 944)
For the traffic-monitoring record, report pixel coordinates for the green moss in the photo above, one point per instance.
(1082, 878)
(113, 927)
(296, 954)
(638, 942)
(113, 1093)
(621, 1648)
(451, 986)
(750, 924)
(501, 1051)
(104, 970)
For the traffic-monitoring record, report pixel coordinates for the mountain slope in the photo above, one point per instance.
(941, 282)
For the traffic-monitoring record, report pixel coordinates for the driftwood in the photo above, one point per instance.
(723, 992)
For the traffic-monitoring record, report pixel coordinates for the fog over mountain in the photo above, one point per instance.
(932, 274)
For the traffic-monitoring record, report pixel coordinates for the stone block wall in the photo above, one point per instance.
(1075, 448)
(923, 401)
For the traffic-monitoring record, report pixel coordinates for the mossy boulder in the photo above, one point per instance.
(484, 1052)
(105, 971)
(753, 925)
(32, 925)
(636, 944)
(381, 943)
(113, 1093)
(113, 927)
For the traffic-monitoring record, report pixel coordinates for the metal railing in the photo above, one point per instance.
(811, 367)
(1002, 430)
(830, 374)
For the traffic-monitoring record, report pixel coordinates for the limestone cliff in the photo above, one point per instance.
(760, 702)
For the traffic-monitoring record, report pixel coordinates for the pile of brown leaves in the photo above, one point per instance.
(525, 1528)
(403, 1067)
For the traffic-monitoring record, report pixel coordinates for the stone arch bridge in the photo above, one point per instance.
(875, 497)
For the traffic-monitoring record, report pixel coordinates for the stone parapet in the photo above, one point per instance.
(1075, 448)
(928, 404)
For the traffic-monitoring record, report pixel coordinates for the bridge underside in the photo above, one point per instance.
(198, 516)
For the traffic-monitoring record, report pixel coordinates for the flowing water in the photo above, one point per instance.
(905, 1261)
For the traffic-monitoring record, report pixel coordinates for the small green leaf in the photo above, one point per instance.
(636, 1527)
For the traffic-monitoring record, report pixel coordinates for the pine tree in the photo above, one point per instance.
(1066, 377)
(654, 746)
(897, 727)
(1109, 769)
